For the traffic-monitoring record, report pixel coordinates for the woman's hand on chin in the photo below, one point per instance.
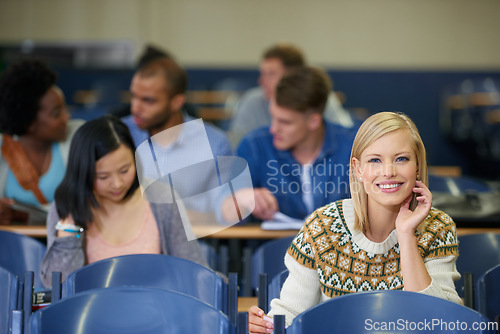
(407, 220)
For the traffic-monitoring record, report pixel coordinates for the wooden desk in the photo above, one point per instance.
(250, 232)
(244, 303)
(234, 232)
(31, 231)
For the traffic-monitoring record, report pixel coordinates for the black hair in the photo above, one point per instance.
(93, 140)
(150, 54)
(175, 76)
(22, 85)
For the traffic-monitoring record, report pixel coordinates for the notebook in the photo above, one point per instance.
(281, 221)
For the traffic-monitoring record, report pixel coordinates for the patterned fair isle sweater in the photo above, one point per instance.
(328, 258)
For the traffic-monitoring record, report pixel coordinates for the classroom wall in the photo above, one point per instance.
(424, 34)
(383, 54)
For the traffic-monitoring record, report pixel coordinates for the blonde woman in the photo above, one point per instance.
(375, 240)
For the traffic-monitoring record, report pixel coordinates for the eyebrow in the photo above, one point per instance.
(378, 155)
(122, 167)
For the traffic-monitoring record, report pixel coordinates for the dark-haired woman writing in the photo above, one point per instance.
(99, 210)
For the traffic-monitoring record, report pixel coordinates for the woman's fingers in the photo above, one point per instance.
(425, 197)
(258, 322)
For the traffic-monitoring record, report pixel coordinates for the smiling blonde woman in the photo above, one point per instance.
(373, 241)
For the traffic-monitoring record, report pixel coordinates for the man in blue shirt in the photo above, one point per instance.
(301, 161)
(171, 143)
(252, 110)
(158, 91)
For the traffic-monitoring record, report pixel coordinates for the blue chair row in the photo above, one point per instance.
(388, 311)
(143, 270)
(487, 294)
(16, 300)
(157, 271)
(268, 258)
(218, 259)
(130, 310)
(9, 299)
(477, 254)
(109, 310)
(20, 253)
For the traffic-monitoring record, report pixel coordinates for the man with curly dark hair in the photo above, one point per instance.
(35, 136)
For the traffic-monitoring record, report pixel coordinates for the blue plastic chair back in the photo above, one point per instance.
(387, 311)
(217, 259)
(276, 285)
(129, 310)
(487, 293)
(477, 254)
(151, 270)
(20, 253)
(269, 259)
(9, 285)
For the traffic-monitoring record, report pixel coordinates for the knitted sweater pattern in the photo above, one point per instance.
(326, 244)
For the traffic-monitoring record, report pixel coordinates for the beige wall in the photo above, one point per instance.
(455, 34)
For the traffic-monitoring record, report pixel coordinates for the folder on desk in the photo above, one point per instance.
(281, 221)
(37, 216)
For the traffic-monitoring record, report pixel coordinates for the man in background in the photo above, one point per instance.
(252, 110)
(158, 90)
(301, 161)
(187, 152)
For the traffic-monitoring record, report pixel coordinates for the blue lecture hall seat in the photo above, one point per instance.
(269, 258)
(477, 253)
(157, 271)
(267, 291)
(9, 285)
(387, 311)
(19, 253)
(129, 310)
(274, 287)
(217, 260)
(487, 293)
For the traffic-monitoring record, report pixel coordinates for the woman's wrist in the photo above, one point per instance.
(67, 230)
(405, 237)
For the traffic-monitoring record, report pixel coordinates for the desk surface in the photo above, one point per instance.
(244, 303)
(31, 231)
(233, 232)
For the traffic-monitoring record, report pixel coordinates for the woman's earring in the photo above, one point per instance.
(361, 179)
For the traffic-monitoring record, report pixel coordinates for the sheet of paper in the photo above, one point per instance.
(281, 221)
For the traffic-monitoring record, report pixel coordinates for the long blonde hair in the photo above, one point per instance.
(372, 129)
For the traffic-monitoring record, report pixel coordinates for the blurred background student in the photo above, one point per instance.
(99, 211)
(253, 112)
(35, 132)
(299, 162)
